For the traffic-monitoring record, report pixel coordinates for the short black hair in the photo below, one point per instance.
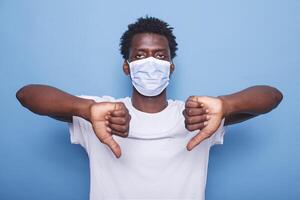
(147, 25)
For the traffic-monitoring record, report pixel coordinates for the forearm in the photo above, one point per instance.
(55, 103)
(251, 102)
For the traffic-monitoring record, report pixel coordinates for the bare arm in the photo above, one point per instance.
(206, 113)
(250, 102)
(107, 118)
(55, 103)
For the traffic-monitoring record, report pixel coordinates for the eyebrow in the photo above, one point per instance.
(156, 49)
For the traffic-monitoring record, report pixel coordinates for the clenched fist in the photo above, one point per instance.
(204, 113)
(109, 118)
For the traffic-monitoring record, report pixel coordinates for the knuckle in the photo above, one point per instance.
(114, 145)
(185, 122)
(123, 121)
(123, 128)
(126, 134)
(122, 135)
(204, 124)
(206, 135)
(103, 140)
(201, 126)
(184, 113)
(188, 127)
(195, 140)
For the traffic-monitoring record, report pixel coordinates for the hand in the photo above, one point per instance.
(204, 113)
(109, 118)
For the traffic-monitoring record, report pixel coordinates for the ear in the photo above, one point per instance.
(172, 68)
(126, 69)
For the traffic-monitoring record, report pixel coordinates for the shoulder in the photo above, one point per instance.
(107, 98)
(177, 103)
(98, 98)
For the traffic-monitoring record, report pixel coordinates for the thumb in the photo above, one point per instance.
(117, 106)
(198, 99)
(113, 145)
(197, 139)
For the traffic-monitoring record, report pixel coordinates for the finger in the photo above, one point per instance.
(196, 111)
(118, 133)
(113, 145)
(118, 113)
(196, 119)
(194, 98)
(193, 127)
(202, 135)
(117, 120)
(192, 104)
(118, 128)
(107, 116)
(120, 106)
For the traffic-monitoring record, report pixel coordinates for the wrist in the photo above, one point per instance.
(83, 108)
(226, 107)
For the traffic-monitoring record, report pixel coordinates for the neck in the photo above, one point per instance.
(149, 104)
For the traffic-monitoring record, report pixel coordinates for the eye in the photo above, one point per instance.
(140, 56)
(160, 56)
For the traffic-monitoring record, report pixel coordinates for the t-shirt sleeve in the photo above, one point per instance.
(218, 136)
(80, 129)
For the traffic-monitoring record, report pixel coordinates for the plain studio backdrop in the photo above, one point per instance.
(224, 46)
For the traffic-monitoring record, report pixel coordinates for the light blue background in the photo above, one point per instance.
(224, 46)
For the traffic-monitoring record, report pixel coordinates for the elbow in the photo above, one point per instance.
(21, 94)
(274, 96)
(277, 96)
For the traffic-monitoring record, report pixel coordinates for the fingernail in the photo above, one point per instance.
(106, 122)
(118, 154)
(108, 129)
(207, 117)
(205, 123)
(206, 110)
(189, 148)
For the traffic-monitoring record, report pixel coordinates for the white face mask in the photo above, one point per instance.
(150, 76)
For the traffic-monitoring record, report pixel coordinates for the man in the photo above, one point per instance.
(147, 146)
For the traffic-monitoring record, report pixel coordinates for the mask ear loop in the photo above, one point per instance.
(171, 64)
(128, 67)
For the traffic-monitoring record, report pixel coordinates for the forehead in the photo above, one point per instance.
(149, 41)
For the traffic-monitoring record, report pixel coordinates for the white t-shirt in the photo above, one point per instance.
(154, 164)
